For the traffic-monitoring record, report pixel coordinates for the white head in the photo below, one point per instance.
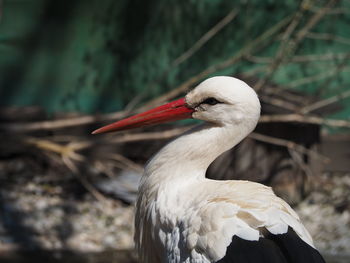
(224, 101)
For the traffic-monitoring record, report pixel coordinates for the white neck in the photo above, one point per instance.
(189, 156)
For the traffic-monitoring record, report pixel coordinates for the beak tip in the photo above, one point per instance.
(95, 132)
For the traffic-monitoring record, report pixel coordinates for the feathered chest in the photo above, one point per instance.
(178, 225)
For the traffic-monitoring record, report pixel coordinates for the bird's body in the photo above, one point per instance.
(181, 216)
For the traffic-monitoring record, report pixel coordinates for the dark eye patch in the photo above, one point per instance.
(210, 101)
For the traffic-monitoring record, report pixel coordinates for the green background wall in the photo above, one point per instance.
(96, 56)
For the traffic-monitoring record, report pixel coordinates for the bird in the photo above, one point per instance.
(182, 216)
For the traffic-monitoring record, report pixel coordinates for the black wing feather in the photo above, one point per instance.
(295, 249)
(285, 248)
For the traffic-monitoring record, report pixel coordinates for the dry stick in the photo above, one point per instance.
(177, 131)
(205, 38)
(324, 57)
(66, 151)
(292, 97)
(316, 77)
(143, 136)
(301, 58)
(126, 162)
(220, 66)
(288, 144)
(297, 158)
(88, 186)
(322, 103)
(304, 119)
(60, 123)
(278, 102)
(261, 60)
(333, 11)
(252, 72)
(331, 37)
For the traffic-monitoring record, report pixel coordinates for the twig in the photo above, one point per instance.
(304, 119)
(66, 151)
(278, 102)
(333, 11)
(320, 57)
(143, 136)
(288, 95)
(205, 38)
(60, 123)
(316, 77)
(301, 58)
(127, 162)
(261, 60)
(91, 189)
(322, 103)
(288, 144)
(329, 37)
(297, 158)
(253, 71)
(177, 131)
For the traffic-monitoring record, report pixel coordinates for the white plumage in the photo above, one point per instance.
(181, 216)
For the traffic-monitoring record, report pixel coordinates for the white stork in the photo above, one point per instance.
(181, 216)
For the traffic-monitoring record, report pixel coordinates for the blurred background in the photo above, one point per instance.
(68, 67)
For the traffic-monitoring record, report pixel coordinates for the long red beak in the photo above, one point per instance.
(172, 111)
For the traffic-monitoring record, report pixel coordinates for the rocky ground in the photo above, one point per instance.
(40, 215)
(326, 213)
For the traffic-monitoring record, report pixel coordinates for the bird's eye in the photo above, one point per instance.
(210, 101)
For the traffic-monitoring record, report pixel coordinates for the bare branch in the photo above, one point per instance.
(278, 102)
(322, 103)
(288, 144)
(60, 123)
(91, 189)
(143, 136)
(301, 58)
(332, 11)
(317, 77)
(297, 158)
(329, 37)
(205, 38)
(304, 119)
(126, 162)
